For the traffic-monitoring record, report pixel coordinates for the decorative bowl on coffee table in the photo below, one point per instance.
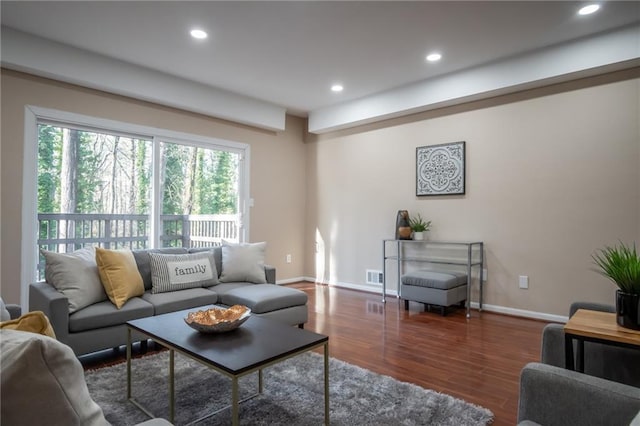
(218, 319)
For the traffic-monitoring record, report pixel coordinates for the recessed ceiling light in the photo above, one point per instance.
(434, 57)
(337, 88)
(199, 34)
(588, 10)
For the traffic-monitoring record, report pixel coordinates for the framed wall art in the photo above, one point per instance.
(440, 169)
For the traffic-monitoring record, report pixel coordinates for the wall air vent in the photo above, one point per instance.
(374, 277)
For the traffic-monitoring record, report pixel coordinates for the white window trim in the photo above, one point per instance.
(32, 114)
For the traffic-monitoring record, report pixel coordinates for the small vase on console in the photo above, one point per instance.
(403, 229)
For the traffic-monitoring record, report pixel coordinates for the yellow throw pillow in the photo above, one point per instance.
(33, 322)
(119, 275)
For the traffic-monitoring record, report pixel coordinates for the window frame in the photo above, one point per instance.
(35, 115)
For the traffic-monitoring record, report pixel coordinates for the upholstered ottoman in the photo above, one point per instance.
(440, 288)
(285, 304)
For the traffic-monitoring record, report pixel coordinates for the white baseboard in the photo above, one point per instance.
(521, 312)
(352, 286)
(291, 280)
(475, 305)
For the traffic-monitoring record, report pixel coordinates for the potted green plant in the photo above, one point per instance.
(419, 226)
(621, 264)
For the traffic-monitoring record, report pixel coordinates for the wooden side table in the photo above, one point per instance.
(595, 326)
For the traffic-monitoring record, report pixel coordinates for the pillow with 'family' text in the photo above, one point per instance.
(243, 262)
(171, 272)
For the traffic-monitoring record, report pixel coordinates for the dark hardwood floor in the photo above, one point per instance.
(478, 360)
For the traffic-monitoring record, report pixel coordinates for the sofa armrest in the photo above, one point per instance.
(270, 273)
(14, 310)
(552, 351)
(554, 396)
(44, 297)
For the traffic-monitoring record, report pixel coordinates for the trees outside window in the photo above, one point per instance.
(97, 188)
(199, 190)
(89, 172)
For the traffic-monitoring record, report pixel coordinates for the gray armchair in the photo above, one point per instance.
(605, 361)
(553, 396)
(608, 393)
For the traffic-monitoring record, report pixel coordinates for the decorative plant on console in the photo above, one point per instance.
(419, 226)
(621, 264)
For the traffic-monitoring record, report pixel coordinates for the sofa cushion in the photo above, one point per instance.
(144, 261)
(261, 298)
(119, 275)
(170, 272)
(243, 262)
(43, 382)
(224, 288)
(33, 322)
(180, 299)
(76, 276)
(435, 279)
(105, 314)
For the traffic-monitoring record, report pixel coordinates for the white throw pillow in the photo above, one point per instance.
(171, 272)
(76, 276)
(4, 312)
(243, 262)
(43, 382)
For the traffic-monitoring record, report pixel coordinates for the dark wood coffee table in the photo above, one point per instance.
(256, 344)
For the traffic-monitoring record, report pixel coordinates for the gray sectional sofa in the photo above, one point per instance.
(101, 325)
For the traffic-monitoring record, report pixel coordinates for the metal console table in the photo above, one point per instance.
(473, 257)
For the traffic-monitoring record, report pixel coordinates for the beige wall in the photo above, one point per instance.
(277, 165)
(550, 178)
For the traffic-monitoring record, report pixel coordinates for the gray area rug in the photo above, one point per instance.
(293, 395)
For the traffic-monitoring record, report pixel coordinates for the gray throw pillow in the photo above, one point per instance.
(171, 272)
(243, 262)
(76, 276)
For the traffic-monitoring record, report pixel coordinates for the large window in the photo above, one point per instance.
(94, 188)
(199, 188)
(116, 185)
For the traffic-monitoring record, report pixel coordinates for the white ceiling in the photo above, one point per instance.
(290, 53)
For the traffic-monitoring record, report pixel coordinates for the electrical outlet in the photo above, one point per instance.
(288, 258)
(523, 281)
(485, 275)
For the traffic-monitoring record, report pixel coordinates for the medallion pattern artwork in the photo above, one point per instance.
(440, 169)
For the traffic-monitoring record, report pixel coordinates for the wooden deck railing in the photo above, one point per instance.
(66, 232)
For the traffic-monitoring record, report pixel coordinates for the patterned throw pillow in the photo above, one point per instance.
(171, 272)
